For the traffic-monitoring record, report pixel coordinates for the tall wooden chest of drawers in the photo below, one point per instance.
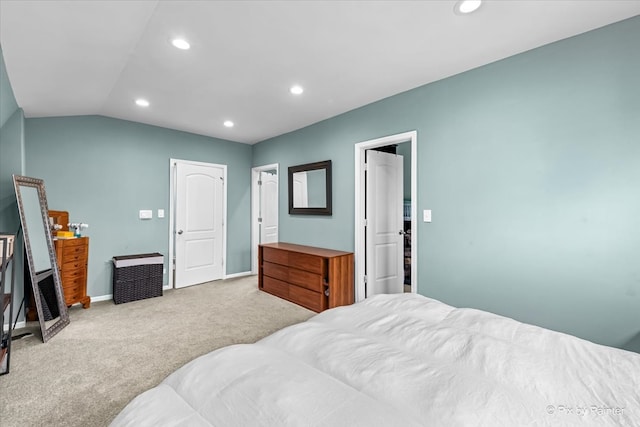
(315, 278)
(73, 256)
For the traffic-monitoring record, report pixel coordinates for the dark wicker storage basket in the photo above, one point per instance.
(137, 282)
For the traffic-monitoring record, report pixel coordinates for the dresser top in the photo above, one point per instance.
(312, 250)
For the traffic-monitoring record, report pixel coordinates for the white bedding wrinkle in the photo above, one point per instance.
(400, 359)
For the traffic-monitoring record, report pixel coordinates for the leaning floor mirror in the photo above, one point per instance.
(40, 255)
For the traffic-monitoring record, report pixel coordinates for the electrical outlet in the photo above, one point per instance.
(145, 214)
(426, 215)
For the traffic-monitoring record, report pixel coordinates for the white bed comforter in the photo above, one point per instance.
(400, 360)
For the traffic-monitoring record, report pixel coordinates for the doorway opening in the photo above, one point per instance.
(395, 259)
(264, 208)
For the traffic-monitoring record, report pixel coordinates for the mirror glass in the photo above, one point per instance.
(37, 232)
(44, 275)
(310, 188)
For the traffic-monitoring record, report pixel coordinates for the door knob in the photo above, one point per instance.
(180, 231)
(402, 232)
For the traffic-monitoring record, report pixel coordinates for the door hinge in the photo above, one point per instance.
(365, 222)
(259, 182)
(259, 219)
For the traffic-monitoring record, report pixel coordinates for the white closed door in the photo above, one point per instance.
(268, 216)
(384, 235)
(199, 223)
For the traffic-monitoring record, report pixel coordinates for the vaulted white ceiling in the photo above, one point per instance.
(96, 57)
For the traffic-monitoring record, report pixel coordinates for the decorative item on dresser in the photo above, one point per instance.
(73, 258)
(315, 278)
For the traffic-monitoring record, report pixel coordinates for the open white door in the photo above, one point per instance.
(268, 215)
(384, 229)
(264, 208)
(199, 223)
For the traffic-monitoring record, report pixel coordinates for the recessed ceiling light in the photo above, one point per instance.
(142, 102)
(228, 123)
(296, 89)
(467, 6)
(181, 44)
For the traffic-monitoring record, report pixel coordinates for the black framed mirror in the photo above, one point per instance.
(44, 275)
(310, 189)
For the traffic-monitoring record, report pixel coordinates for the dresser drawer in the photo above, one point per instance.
(301, 274)
(76, 252)
(73, 289)
(73, 265)
(72, 274)
(306, 298)
(276, 271)
(276, 287)
(275, 255)
(67, 243)
(305, 279)
(306, 262)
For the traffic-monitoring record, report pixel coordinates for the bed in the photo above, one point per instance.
(400, 360)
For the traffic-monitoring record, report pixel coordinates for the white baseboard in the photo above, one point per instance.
(241, 274)
(102, 298)
(19, 325)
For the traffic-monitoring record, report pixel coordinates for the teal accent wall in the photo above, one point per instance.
(8, 104)
(103, 171)
(531, 166)
(322, 141)
(11, 162)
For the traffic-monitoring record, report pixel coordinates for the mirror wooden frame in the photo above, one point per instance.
(48, 328)
(325, 210)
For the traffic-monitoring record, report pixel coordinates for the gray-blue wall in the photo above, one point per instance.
(11, 149)
(103, 171)
(8, 104)
(11, 162)
(531, 166)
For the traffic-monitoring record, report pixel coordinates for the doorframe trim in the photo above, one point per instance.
(359, 245)
(172, 213)
(255, 175)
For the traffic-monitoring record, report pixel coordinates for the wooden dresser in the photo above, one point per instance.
(314, 278)
(73, 256)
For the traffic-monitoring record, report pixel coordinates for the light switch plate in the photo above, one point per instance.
(160, 213)
(145, 214)
(426, 215)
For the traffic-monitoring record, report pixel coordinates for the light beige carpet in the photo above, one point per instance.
(111, 353)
